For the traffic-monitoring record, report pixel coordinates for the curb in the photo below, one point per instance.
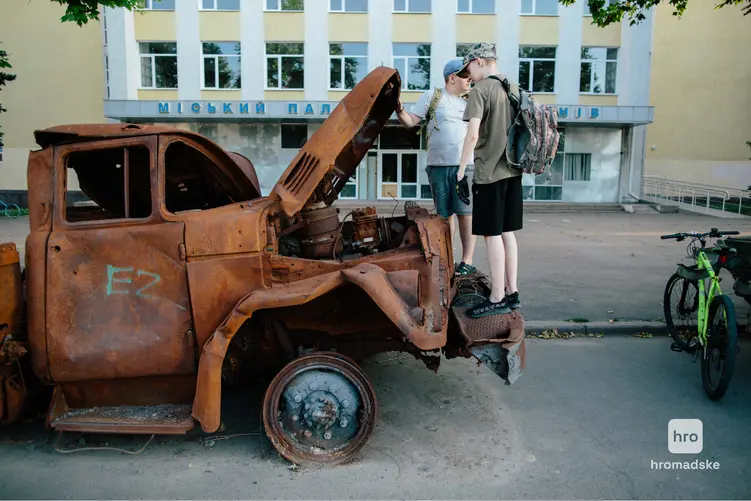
(606, 328)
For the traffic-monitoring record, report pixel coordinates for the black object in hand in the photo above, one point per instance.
(462, 189)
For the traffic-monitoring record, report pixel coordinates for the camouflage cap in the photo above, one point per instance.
(483, 50)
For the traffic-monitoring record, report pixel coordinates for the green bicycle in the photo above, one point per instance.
(713, 333)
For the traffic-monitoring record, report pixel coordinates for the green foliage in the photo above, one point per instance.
(82, 11)
(604, 15)
(4, 78)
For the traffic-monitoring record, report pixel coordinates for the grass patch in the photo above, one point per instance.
(556, 334)
(578, 320)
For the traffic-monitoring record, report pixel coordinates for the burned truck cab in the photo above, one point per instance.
(175, 277)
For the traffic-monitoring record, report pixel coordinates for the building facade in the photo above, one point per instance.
(259, 76)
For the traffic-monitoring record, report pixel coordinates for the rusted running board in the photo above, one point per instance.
(495, 340)
(169, 419)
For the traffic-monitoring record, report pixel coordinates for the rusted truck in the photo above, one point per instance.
(178, 278)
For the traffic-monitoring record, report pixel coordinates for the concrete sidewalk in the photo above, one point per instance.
(583, 267)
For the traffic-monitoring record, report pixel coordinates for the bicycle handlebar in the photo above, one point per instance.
(714, 232)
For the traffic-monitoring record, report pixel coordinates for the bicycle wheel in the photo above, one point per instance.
(681, 304)
(13, 211)
(722, 343)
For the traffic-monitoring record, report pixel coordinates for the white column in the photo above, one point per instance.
(443, 47)
(122, 49)
(189, 63)
(253, 50)
(316, 50)
(568, 53)
(379, 35)
(507, 36)
(635, 62)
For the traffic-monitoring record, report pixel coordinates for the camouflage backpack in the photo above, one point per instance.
(533, 136)
(434, 100)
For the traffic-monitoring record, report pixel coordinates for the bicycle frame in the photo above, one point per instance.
(706, 299)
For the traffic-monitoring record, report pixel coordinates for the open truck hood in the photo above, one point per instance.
(325, 163)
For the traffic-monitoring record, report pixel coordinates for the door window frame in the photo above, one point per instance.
(417, 183)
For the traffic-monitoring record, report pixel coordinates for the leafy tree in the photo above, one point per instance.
(4, 77)
(603, 15)
(81, 11)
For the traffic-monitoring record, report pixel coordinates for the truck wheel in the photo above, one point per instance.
(319, 408)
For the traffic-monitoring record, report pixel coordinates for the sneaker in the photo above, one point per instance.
(464, 269)
(513, 300)
(487, 307)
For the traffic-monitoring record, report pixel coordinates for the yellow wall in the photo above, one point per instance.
(415, 28)
(590, 100)
(222, 95)
(284, 95)
(545, 98)
(348, 27)
(155, 25)
(59, 72)
(537, 30)
(473, 27)
(219, 26)
(158, 95)
(337, 95)
(609, 36)
(284, 26)
(700, 90)
(411, 96)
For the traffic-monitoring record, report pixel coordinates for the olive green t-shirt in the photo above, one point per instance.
(489, 102)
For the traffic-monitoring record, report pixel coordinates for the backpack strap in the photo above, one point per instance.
(434, 100)
(512, 91)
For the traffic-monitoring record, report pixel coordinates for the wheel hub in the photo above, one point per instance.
(320, 409)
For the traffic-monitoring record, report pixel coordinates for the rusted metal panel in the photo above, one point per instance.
(327, 160)
(140, 391)
(117, 303)
(216, 285)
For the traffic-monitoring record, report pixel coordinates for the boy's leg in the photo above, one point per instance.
(464, 216)
(469, 241)
(513, 222)
(497, 261)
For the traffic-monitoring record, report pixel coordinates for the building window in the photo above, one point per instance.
(220, 4)
(475, 6)
(537, 68)
(285, 65)
(462, 49)
(599, 67)
(348, 64)
(158, 65)
(157, 5)
(587, 12)
(412, 5)
(292, 5)
(294, 136)
(540, 7)
(413, 62)
(578, 166)
(348, 5)
(221, 65)
(1, 154)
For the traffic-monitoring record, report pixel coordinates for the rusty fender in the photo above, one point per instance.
(370, 277)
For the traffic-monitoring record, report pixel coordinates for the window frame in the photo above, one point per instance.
(531, 61)
(149, 5)
(582, 62)
(407, 10)
(587, 157)
(344, 10)
(342, 59)
(216, 57)
(153, 66)
(534, 10)
(471, 10)
(266, 8)
(215, 8)
(61, 188)
(279, 57)
(405, 77)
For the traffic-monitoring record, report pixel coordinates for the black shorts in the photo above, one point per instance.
(497, 207)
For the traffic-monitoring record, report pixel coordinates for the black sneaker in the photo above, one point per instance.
(464, 269)
(489, 308)
(513, 300)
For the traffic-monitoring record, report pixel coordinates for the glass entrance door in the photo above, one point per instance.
(398, 176)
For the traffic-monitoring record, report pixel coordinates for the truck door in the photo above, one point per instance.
(117, 292)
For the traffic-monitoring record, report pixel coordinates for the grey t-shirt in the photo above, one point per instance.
(489, 102)
(446, 141)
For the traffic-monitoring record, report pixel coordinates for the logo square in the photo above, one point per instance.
(685, 436)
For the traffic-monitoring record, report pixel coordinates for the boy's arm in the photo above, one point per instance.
(419, 110)
(473, 114)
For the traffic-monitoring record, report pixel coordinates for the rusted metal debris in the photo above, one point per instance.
(177, 277)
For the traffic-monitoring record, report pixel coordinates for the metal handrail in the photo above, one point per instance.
(660, 188)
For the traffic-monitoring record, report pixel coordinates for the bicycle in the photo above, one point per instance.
(708, 338)
(6, 211)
